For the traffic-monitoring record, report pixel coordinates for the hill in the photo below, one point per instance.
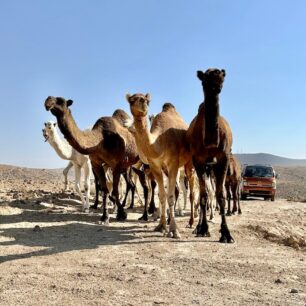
(274, 160)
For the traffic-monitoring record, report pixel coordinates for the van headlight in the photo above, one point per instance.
(245, 183)
(274, 185)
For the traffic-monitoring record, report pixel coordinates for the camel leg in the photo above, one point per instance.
(238, 198)
(77, 185)
(220, 173)
(65, 173)
(162, 226)
(133, 188)
(177, 201)
(172, 175)
(129, 186)
(190, 177)
(235, 192)
(87, 173)
(202, 229)
(184, 190)
(228, 197)
(121, 214)
(98, 170)
(142, 179)
(152, 206)
(97, 187)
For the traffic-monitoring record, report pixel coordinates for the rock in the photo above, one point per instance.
(37, 228)
(294, 291)
(278, 281)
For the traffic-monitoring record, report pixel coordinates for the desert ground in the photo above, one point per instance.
(53, 254)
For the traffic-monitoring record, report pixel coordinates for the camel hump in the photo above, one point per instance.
(167, 106)
(121, 116)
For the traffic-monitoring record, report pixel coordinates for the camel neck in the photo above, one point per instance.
(211, 117)
(61, 146)
(144, 137)
(84, 142)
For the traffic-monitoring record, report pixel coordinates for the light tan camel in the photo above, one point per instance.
(164, 148)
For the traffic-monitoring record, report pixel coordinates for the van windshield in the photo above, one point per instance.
(258, 171)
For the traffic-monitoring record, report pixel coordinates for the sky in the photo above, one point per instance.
(95, 52)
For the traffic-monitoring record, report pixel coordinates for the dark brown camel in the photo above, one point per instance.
(108, 142)
(232, 185)
(210, 140)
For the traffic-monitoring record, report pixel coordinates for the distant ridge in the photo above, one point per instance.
(265, 158)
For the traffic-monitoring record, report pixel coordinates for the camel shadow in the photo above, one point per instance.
(62, 238)
(81, 231)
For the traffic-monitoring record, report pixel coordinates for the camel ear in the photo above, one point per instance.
(223, 72)
(54, 124)
(148, 97)
(45, 124)
(200, 75)
(127, 96)
(69, 102)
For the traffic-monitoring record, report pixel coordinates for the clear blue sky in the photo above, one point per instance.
(94, 52)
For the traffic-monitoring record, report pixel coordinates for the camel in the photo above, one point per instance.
(108, 142)
(210, 186)
(210, 140)
(163, 147)
(77, 160)
(232, 185)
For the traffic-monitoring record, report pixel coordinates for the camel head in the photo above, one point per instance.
(58, 105)
(48, 131)
(212, 80)
(139, 104)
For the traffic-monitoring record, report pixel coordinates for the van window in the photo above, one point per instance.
(258, 171)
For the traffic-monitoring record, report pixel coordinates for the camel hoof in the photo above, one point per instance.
(212, 220)
(206, 234)
(224, 239)
(143, 218)
(104, 220)
(121, 215)
(202, 230)
(181, 213)
(239, 212)
(225, 235)
(131, 207)
(94, 206)
(151, 209)
(228, 213)
(174, 234)
(160, 228)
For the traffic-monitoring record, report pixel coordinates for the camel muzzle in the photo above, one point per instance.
(45, 135)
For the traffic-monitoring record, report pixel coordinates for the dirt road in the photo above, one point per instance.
(51, 254)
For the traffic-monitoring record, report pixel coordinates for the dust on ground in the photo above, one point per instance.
(53, 254)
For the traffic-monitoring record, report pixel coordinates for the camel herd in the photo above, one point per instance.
(119, 145)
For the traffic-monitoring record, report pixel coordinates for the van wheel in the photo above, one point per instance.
(243, 197)
(273, 198)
